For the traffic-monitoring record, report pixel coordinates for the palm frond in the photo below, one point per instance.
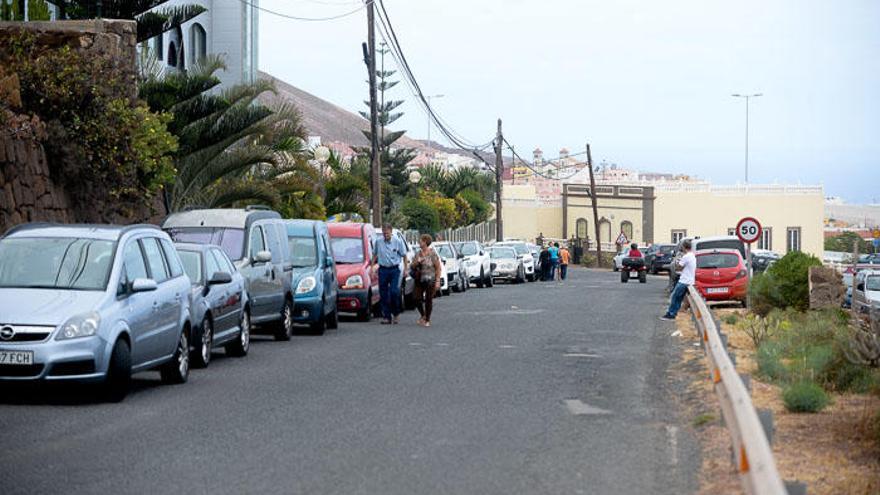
(231, 193)
(153, 23)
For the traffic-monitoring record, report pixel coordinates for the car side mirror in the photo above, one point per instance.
(144, 285)
(861, 286)
(262, 257)
(482, 253)
(328, 261)
(220, 278)
(460, 256)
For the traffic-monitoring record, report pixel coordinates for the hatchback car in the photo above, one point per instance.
(476, 262)
(522, 250)
(314, 275)
(355, 273)
(658, 257)
(92, 303)
(254, 238)
(508, 265)
(721, 275)
(456, 274)
(218, 303)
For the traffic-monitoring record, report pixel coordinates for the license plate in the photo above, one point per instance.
(717, 290)
(17, 357)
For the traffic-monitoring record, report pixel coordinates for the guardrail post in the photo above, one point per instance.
(796, 487)
(766, 417)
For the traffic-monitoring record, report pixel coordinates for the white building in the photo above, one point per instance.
(228, 28)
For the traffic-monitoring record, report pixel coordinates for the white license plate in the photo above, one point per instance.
(717, 290)
(17, 357)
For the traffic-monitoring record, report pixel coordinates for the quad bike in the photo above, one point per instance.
(633, 265)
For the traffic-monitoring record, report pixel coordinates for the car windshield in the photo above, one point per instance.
(666, 249)
(467, 249)
(519, 248)
(303, 250)
(444, 250)
(192, 265)
(717, 260)
(873, 283)
(56, 263)
(229, 239)
(500, 253)
(347, 249)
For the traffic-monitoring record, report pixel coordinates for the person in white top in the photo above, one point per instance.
(688, 264)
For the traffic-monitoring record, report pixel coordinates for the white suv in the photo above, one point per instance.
(477, 263)
(522, 250)
(457, 279)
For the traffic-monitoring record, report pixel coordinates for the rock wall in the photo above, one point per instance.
(826, 288)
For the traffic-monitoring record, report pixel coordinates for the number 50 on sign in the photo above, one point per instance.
(748, 230)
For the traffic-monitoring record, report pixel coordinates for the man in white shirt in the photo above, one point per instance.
(688, 264)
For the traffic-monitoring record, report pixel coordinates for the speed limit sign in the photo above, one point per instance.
(748, 230)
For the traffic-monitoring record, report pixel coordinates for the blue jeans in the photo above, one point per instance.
(389, 291)
(677, 298)
(563, 269)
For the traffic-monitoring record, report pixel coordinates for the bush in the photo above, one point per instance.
(764, 294)
(769, 359)
(480, 207)
(805, 396)
(420, 215)
(791, 275)
(730, 318)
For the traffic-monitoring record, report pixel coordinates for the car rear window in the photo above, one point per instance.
(230, 240)
(721, 244)
(192, 265)
(717, 260)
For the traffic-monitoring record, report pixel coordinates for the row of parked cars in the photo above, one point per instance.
(97, 303)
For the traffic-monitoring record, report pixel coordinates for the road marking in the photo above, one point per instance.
(507, 312)
(416, 344)
(580, 354)
(672, 435)
(507, 346)
(579, 408)
(442, 344)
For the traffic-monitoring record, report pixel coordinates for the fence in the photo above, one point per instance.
(751, 449)
(483, 232)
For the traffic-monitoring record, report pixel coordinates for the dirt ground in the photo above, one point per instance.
(828, 451)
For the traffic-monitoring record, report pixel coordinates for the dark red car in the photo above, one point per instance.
(358, 280)
(721, 275)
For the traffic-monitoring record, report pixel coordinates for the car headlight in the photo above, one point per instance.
(84, 325)
(307, 284)
(354, 282)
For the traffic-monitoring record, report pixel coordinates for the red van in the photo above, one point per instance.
(721, 275)
(358, 280)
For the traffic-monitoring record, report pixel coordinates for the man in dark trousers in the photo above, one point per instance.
(544, 259)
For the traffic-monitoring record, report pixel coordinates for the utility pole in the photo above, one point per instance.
(499, 166)
(595, 208)
(747, 97)
(370, 56)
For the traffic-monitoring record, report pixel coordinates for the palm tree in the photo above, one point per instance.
(348, 189)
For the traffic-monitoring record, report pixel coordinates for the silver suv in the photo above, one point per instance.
(92, 303)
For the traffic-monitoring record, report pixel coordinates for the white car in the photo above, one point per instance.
(522, 250)
(618, 258)
(477, 263)
(456, 277)
(866, 292)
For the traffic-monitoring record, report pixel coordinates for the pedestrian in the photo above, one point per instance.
(426, 267)
(390, 252)
(688, 264)
(544, 261)
(554, 259)
(564, 260)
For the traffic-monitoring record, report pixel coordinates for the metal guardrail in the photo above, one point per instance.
(753, 456)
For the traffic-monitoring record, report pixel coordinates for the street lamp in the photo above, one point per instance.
(429, 116)
(321, 154)
(747, 98)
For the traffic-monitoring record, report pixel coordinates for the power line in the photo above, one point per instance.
(307, 19)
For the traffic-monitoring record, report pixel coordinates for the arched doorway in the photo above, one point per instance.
(172, 54)
(605, 231)
(198, 42)
(627, 228)
(581, 228)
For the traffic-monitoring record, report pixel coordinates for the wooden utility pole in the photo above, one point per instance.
(499, 167)
(375, 170)
(595, 208)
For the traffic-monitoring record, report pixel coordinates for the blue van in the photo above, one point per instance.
(314, 274)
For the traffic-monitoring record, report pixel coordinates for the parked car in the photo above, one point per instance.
(866, 292)
(456, 275)
(477, 263)
(407, 284)
(314, 275)
(762, 260)
(218, 303)
(522, 250)
(254, 239)
(508, 265)
(355, 274)
(721, 275)
(703, 244)
(658, 256)
(92, 303)
(536, 256)
(617, 261)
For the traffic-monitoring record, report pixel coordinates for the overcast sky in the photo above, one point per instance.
(646, 82)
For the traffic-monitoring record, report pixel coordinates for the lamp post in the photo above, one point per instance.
(747, 97)
(321, 155)
(429, 116)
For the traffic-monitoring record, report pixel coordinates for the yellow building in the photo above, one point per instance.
(650, 213)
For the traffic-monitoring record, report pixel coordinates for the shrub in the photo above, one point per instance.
(420, 215)
(791, 277)
(764, 293)
(730, 318)
(769, 359)
(805, 396)
(480, 207)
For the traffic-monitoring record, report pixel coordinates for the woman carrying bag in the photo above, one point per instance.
(426, 269)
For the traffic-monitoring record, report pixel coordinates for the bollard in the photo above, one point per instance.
(766, 417)
(747, 381)
(796, 487)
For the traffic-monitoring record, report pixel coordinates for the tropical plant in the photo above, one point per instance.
(14, 11)
(421, 215)
(846, 241)
(348, 188)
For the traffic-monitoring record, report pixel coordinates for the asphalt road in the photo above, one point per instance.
(533, 388)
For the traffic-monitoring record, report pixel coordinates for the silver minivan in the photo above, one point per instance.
(92, 303)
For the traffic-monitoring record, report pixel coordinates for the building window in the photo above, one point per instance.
(766, 240)
(793, 239)
(581, 228)
(159, 47)
(605, 231)
(172, 54)
(731, 231)
(678, 235)
(627, 229)
(198, 42)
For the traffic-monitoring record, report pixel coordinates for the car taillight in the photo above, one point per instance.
(741, 274)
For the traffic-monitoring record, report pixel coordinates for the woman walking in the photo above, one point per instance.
(426, 267)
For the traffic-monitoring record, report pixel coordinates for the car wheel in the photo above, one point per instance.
(643, 277)
(465, 282)
(320, 326)
(284, 329)
(366, 314)
(333, 319)
(177, 370)
(481, 282)
(202, 355)
(118, 381)
(624, 276)
(490, 282)
(614, 266)
(520, 276)
(239, 348)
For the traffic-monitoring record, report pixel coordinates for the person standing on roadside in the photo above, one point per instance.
(390, 251)
(554, 259)
(564, 260)
(688, 264)
(544, 260)
(426, 267)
